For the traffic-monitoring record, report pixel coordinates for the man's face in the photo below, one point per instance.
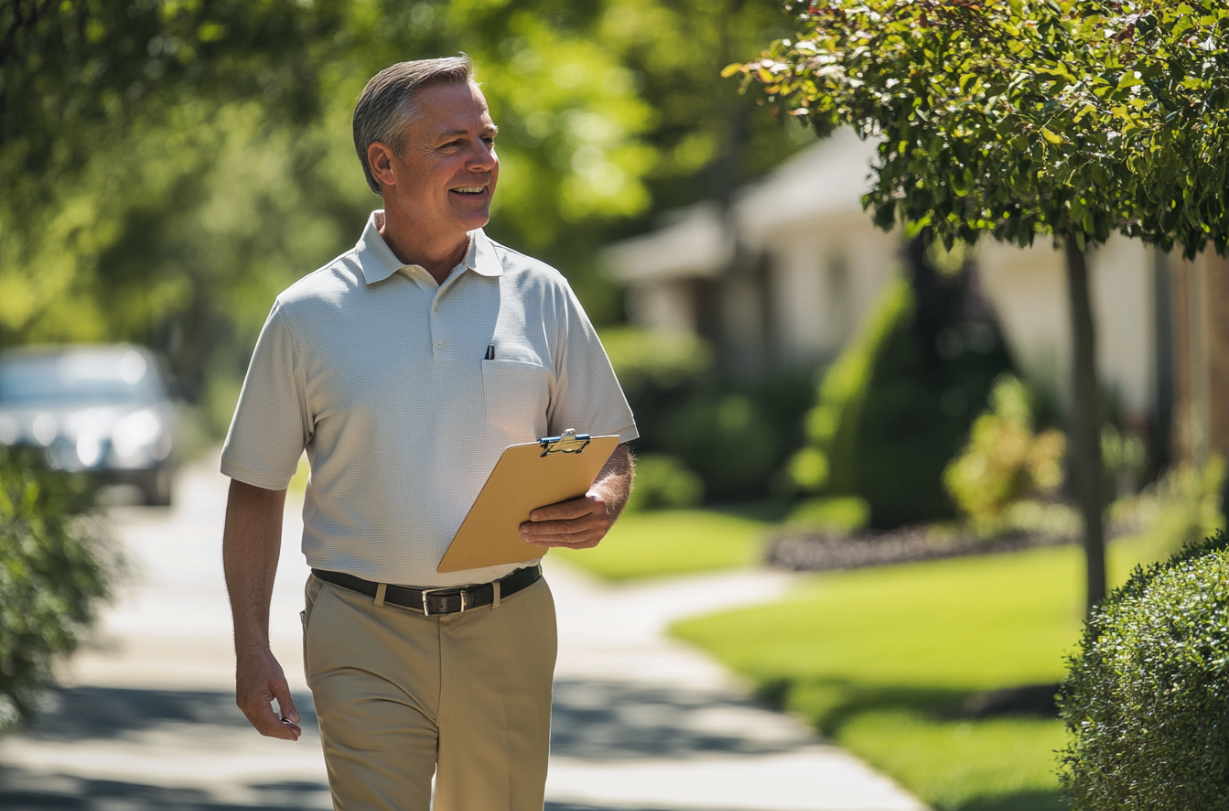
(446, 173)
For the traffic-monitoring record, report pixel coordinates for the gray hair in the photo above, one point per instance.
(386, 106)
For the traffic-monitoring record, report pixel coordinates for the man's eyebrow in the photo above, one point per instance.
(453, 133)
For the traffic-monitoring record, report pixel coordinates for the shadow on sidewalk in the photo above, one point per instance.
(95, 725)
(82, 728)
(610, 720)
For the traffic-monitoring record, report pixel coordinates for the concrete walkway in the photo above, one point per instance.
(146, 720)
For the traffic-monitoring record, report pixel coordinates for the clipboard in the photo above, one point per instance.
(529, 476)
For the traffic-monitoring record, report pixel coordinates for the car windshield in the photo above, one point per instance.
(86, 375)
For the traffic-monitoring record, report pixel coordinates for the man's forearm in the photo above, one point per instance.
(614, 482)
(251, 545)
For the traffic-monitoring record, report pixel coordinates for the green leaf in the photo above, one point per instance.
(1051, 136)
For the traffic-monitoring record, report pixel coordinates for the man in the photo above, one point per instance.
(404, 367)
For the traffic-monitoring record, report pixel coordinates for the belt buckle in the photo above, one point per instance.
(462, 593)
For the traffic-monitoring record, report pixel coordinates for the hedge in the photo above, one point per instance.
(1146, 700)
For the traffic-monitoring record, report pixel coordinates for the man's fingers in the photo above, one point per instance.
(259, 682)
(563, 511)
(285, 702)
(267, 723)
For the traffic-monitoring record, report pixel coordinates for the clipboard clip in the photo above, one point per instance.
(570, 442)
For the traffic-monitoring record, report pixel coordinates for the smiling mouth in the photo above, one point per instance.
(470, 190)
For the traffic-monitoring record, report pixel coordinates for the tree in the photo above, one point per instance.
(1072, 119)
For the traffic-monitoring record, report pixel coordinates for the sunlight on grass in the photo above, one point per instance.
(882, 660)
(651, 544)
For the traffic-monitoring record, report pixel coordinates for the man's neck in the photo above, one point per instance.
(437, 257)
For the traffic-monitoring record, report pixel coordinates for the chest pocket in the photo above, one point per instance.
(516, 394)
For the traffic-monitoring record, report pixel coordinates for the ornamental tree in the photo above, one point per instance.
(1066, 119)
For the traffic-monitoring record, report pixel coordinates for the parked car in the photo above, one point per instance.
(103, 410)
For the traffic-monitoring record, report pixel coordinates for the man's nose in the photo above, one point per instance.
(482, 157)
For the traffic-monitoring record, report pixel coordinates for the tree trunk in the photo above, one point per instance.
(1086, 422)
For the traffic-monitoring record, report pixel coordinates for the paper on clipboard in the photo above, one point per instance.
(526, 477)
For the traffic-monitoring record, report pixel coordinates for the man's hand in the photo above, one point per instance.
(582, 522)
(577, 524)
(258, 681)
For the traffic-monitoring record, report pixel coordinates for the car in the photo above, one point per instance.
(98, 409)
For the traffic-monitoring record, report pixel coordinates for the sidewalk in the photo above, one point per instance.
(641, 723)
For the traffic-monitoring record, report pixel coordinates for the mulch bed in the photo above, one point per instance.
(814, 551)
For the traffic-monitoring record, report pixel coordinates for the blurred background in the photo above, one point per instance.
(814, 394)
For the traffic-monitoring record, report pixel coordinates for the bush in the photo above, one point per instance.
(892, 410)
(1146, 700)
(735, 436)
(845, 514)
(54, 570)
(664, 483)
(1004, 459)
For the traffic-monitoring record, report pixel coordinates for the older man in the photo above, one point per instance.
(404, 367)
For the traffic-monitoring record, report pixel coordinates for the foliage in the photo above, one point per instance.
(1145, 700)
(652, 363)
(885, 661)
(664, 483)
(675, 542)
(1004, 460)
(169, 166)
(1072, 117)
(734, 436)
(891, 411)
(1182, 506)
(730, 438)
(55, 568)
(846, 514)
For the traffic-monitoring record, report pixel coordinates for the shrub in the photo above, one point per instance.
(734, 435)
(892, 410)
(663, 482)
(1146, 700)
(646, 360)
(1004, 460)
(846, 514)
(54, 569)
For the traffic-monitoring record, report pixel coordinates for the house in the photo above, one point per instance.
(783, 277)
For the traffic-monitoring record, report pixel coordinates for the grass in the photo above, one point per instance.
(883, 661)
(670, 542)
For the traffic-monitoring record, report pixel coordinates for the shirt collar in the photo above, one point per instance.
(378, 261)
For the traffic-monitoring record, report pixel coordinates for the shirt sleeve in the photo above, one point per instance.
(587, 394)
(272, 425)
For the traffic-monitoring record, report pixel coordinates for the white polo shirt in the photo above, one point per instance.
(381, 374)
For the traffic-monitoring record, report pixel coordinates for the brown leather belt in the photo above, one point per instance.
(450, 600)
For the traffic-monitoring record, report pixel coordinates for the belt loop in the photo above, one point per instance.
(380, 589)
(495, 604)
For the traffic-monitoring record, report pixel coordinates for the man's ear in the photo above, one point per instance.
(380, 159)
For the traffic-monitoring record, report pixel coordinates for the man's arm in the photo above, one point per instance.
(251, 544)
(582, 522)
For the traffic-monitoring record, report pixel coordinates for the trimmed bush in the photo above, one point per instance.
(54, 569)
(894, 408)
(1146, 700)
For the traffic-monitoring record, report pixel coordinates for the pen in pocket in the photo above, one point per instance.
(490, 352)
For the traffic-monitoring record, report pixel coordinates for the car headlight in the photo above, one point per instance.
(139, 432)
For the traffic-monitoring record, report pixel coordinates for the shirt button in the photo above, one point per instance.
(439, 345)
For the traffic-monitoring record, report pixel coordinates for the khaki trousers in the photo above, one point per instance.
(400, 697)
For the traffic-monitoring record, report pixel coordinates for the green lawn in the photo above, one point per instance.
(882, 660)
(668, 542)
